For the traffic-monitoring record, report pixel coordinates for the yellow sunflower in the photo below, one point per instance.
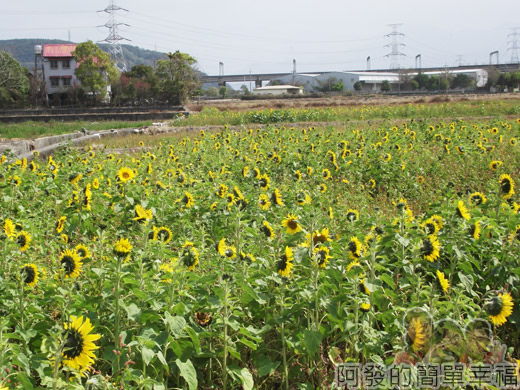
(322, 256)
(474, 230)
(499, 308)
(461, 211)
(355, 248)
(284, 265)
(23, 240)
(507, 186)
(82, 251)
(352, 215)
(78, 344)
(142, 215)
(430, 248)
(125, 174)
(189, 255)
(477, 198)
(70, 263)
(494, 165)
(29, 274)
(445, 284)
(276, 198)
(123, 247)
(163, 234)
(291, 224)
(60, 224)
(267, 230)
(9, 228)
(417, 334)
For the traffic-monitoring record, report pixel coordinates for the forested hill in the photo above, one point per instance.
(23, 51)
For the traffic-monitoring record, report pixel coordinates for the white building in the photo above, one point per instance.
(277, 90)
(59, 68)
(372, 81)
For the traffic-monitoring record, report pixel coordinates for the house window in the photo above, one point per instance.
(55, 82)
(66, 82)
(65, 64)
(54, 64)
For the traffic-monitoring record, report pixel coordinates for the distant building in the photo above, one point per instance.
(371, 82)
(277, 90)
(59, 68)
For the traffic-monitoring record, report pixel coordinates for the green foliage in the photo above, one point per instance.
(23, 51)
(222, 91)
(177, 77)
(357, 86)
(230, 319)
(338, 87)
(95, 69)
(14, 83)
(385, 86)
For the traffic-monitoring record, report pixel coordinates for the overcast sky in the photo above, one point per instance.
(266, 35)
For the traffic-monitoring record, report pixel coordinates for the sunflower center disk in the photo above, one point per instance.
(73, 344)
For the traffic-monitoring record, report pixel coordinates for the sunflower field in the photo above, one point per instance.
(261, 257)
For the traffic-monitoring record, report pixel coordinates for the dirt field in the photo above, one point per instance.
(337, 101)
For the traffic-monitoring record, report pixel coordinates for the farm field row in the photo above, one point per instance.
(263, 258)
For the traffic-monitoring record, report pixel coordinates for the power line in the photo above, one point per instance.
(114, 39)
(395, 53)
(515, 37)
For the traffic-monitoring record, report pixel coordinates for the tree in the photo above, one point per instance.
(212, 92)
(357, 86)
(95, 69)
(338, 87)
(433, 83)
(222, 91)
(385, 86)
(422, 80)
(177, 77)
(14, 83)
(461, 80)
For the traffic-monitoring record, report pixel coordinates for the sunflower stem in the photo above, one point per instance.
(226, 320)
(282, 334)
(117, 346)
(20, 301)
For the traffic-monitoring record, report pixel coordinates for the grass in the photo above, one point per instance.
(31, 129)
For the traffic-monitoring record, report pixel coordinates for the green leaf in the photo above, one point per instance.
(188, 373)
(194, 338)
(312, 341)
(132, 311)
(266, 366)
(249, 343)
(148, 355)
(175, 323)
(25, 381)
(247, 379)
(388, 280)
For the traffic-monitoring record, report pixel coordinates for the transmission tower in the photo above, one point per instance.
(113, 39)
(514, 42)
(395, 45)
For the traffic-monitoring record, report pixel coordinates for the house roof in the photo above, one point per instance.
(59, 50)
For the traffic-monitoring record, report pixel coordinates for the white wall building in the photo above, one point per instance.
(372, 81)
(277, 90)
(59, 68)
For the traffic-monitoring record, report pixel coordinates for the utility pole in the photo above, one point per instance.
(113, 39)
(395, 45)
(221, 69)
(491, 57)
(293, 71)
(514, 42)
(418, 60)
(368, 63)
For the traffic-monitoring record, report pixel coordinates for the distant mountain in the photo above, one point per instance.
(23, 51)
